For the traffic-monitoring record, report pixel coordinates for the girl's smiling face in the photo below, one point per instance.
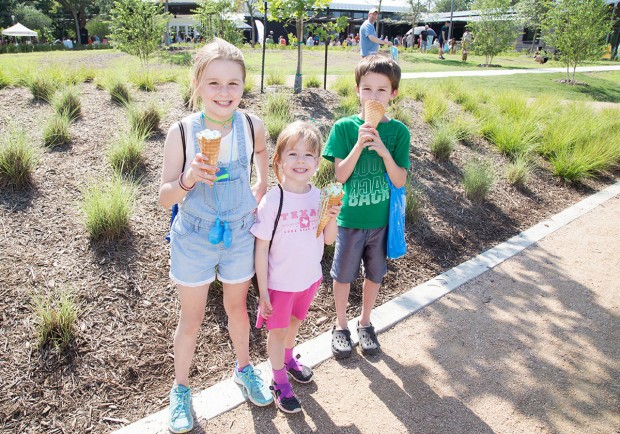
(298, 164)
(221, 88)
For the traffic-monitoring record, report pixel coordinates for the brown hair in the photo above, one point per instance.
(218, 49)
(379, 65)
(298, 130)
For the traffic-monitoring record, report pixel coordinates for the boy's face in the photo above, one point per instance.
(375, 86)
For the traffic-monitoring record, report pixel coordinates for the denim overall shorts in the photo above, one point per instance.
(194, 261)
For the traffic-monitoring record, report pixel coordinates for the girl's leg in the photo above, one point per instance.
(370, 290)
(235, 296)
(275, 347)
(193, 301)
(291, 333)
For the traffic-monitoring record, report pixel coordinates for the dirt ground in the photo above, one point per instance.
(530, 346)
(120, 367)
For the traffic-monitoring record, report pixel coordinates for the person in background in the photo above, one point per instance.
(369, 42)
(443, 38)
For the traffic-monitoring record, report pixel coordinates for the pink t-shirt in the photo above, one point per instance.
(296, 252)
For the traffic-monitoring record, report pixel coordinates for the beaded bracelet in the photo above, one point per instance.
(183, 186)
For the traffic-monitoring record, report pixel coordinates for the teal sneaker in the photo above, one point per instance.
(253, 386)
(181, 419)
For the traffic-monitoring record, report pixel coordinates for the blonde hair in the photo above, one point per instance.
(218, 49)
(298, 130)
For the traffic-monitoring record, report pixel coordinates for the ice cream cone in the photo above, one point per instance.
(209, 143)
(373, 112)
(331, 195)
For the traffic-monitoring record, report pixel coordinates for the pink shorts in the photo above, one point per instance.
(288, 304)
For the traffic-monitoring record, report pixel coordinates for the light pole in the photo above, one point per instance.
(262, 73)
(167, 34)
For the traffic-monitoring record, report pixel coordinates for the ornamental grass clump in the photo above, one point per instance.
(414, 203)
(248, 85)
(443, 142)
(18, 158)
(126, 153)
(279, 113)
(325, 174)
(348, 105)
(513, 136)
(42, 87)
(313, 81)
(56, 132)
(478, 179)
(55, 318)
(400, 113)
(107, 207)
(119, 93)
(465, 130)
(518, 171)
(435, 107)
(275, 79)
(144, 120)
(144, 81)
(344, 85)
(67, 103)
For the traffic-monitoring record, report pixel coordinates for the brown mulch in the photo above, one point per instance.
(120, 368)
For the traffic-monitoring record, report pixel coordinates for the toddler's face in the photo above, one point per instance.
(298, 163)
(221, 88)
(375, 86)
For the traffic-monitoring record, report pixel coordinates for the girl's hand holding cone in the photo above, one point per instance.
(199, 171)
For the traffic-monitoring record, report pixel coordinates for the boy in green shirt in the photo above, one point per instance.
(362, 155)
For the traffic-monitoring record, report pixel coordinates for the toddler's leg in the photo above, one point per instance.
(193, 302)
(238, 323)
(299, 372)
(275, 347)
(283, 394)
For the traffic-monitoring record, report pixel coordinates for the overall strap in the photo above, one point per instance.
(275, 223)
(247, 116)
(182, 129)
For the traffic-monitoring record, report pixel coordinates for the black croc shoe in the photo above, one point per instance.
(341, 343)
(368, 339)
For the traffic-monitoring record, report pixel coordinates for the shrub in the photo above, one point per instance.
(519, 171)
(435, 107)
(465, 129)
(344, 85)
(478, 178)
(398, 112)
(42, 87)
(18, 158)
(55, 317)
(125, 154)
(279, 104)
(313, 81)
(325, 174)
(67, 103)
(144, 120)
(144, 81)
(119, 93)
(413, 202)
(56, 132)
(443, 142)
(107, 208)
(275, 79)
(274, 125)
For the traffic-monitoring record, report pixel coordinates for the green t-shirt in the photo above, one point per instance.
(366, 199)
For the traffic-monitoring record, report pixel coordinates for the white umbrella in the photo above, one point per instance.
(19, 30)
(416, 30)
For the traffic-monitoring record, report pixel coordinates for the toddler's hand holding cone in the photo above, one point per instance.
(331, 195)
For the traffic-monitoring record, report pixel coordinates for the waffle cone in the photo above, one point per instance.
(326, 204)
(373, 112)
(210, 148)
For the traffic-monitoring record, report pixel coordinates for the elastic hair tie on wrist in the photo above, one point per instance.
(183, 186)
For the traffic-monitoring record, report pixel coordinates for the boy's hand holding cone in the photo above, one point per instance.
(331, 195)
(209, 143)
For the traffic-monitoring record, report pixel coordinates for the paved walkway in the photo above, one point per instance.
(525, 339)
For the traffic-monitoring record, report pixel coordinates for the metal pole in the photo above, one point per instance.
(262, 73)
(329, 38)
(451, 24)
(167, 34)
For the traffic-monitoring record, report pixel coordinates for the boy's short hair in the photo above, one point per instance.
(379, 65)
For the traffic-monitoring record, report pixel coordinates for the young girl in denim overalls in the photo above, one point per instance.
(210, 237)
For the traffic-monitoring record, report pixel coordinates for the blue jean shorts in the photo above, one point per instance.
(360, 245)
(194, 261)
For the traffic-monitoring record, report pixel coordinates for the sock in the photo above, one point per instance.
(290, 361)
(288, 355)
(280, 376)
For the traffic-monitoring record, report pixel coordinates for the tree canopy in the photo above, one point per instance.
(496, 30)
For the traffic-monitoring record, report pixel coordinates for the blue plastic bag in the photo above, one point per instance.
(175, 211)
(396, 244)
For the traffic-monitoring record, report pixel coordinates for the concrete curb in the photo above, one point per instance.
(226, 395)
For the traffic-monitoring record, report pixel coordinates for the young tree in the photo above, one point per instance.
(296, 10)
(251, 7)
(137, 27)
(213, 18)
(532, 14)
(446, 5)
(496, 30)
(577, 30)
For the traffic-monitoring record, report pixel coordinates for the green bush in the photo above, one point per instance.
(144, 81)
(67, 103)
(279, 104)
(344, 85)
(42, 87)
(512, 136)
(443, 142)
(478, 178)
(119, 93)
(435, 107)
(519, 171)
(465, 129)
(107, 208)
(55, 317)
(56, 132)
(125, 154)
(274, 125)
(144, 120)
(275, 79)
(18, 158)
(313, 81)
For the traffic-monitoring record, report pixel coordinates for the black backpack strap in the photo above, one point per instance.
(275, 223)
(247, 116)
(182, 129)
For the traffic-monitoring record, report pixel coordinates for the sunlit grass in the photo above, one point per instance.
(478, 179)
(18, 158)
(55, 317)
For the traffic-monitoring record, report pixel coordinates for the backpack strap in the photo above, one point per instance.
(247, 116)
(275, 223)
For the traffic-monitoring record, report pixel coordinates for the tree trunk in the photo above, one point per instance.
(574, 71)
(78, 41)
(300, 37)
